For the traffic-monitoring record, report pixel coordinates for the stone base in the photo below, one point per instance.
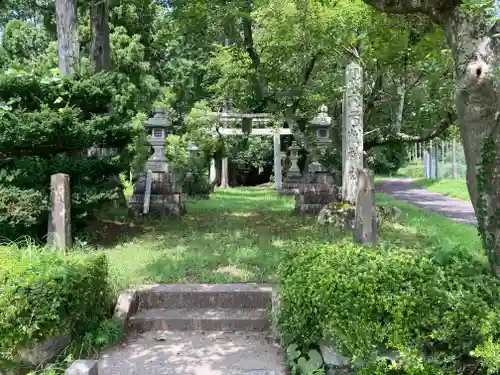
(312, 197)
(166, 198)
(291, 185)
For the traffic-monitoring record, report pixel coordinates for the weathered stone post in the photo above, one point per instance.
(59, 228)
(365, 222)
(352, 131)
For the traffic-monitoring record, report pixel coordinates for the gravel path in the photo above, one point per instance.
(194, 353)
(403, 189)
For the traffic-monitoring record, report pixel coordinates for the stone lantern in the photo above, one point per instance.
(321, 125)
(157, 128)
(193, 149)
(156, 191)
(319, 188)
(294, 170)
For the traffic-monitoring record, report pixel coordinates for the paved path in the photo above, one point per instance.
(403, 189)
(194, 353)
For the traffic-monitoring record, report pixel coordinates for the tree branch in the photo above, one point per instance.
(433, 8)
(307, 75)
(260, 80)
(397, 138)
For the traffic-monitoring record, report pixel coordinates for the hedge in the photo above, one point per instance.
(440, 310)
(46, 294)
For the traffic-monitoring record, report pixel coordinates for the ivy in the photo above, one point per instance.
(487, 222)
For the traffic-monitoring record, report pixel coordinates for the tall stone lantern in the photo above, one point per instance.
(321, 126)
(156, 190)
(157, 128)
(293, 175)
(294, 170)
(314, 194)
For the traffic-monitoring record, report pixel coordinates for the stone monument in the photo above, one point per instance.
(313, 195)
(166, 196)
(352, 131)
(59, 228)
(293, 177)
(365, 221)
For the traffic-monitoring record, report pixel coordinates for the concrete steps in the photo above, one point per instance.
(196, 307)
(200, 320)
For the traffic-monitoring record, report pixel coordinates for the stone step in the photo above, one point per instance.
(199, 320)
(203, 296)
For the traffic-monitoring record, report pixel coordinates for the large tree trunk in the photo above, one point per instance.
(100, 49)
(67, 35)
(476, 53)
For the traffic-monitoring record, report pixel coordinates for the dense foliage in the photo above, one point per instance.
(435, 307)
(38, 296)
(47, 124)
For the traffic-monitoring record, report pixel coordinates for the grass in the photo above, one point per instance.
(241, 235)
(456, 188)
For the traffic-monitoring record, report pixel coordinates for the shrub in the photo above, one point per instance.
(47, 294)
(433, 307)
(21, 212)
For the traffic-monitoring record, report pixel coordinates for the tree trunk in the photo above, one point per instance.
(100, 49)
(400, 106)
(476, 52)
(476, 55)
(67, 35)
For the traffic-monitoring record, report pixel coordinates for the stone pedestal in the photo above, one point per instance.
(313, 196)
(167, 197)
(291, 185)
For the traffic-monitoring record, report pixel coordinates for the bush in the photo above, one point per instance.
(21, 212)
(47, 294)
(433, 307)
(386, 160)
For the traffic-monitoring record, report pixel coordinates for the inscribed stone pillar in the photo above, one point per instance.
(59, 229)
(277, 161)
(365, 222)
(352, 131)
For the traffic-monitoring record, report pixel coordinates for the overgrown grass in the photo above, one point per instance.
(456, 188)
(240, 235)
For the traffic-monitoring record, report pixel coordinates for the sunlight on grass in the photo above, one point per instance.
(241, 235)
(456, 188)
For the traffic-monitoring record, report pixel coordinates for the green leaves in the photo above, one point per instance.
(433, 309)
(37, 300)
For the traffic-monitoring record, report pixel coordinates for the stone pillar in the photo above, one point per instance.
(59, 228)
(352, 131)
(213, 172)
(365, 222)
(224, 176)
(277, 161)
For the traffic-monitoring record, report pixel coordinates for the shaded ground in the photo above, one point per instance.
(404, 189)
(194, 353)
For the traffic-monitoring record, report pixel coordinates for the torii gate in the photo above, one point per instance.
(260, 118)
